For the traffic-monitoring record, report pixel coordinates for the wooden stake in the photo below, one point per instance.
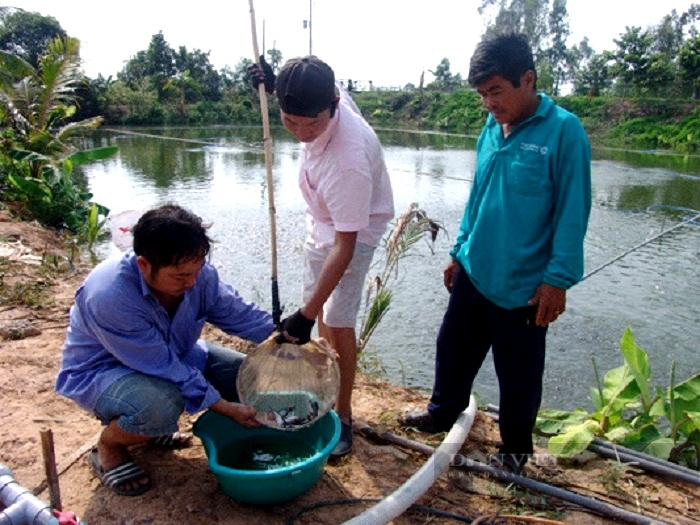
(50, 468)
(70, 461)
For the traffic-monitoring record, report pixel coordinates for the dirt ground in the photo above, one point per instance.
(36, 289)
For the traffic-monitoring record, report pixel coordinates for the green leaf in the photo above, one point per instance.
(689, 390)
(31, 188)
(686, 399)
(26, 156)
(618, 434)
(19, 67)
(692, 425)
(660, 448)
(552, 422)
(642, 436)
(619, 389)
(658, 407)
(638, 362)
(598, 402)
(574, 441)
(90, 155)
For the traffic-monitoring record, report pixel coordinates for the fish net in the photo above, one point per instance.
(291, 386)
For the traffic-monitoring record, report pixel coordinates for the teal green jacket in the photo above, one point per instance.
(527, 212)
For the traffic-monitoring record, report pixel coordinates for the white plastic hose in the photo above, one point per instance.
(402, 498)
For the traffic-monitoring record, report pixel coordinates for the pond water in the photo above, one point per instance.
(220, 174)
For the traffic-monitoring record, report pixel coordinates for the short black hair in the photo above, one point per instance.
(169, 235)
(507, 55)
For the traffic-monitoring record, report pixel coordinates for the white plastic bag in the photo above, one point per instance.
(120, 228)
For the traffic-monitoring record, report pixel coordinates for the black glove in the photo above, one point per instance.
(297, 326)
(262, 74)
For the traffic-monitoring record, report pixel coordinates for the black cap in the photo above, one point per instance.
(305, 86)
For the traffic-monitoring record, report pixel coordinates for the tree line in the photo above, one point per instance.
(47, 103)
(660, 60)
(167, 85)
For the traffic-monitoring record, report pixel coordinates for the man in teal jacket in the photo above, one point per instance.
(519, 248)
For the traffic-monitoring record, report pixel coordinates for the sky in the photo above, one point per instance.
(388, 42)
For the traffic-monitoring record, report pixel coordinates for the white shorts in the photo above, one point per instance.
(341, 308)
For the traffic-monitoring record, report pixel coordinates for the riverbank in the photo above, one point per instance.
(38, 277)
(613, 122)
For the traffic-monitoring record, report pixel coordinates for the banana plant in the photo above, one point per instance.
(36, 104)
(53, 196)
(632, 412)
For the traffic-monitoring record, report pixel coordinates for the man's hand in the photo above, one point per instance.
(262, 74)
(449, 273)
(551, 303)
(296, 329)
(241, 414)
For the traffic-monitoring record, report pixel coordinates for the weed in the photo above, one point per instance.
(25, 291)
(370, 365)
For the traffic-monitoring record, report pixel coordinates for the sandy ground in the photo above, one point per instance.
(185, 490)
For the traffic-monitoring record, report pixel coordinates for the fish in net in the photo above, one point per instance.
(290, 386)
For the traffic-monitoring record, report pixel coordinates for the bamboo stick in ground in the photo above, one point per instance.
(70, 461)
(50, 468)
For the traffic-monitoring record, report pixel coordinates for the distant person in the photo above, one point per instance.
(519, 248)
(132, 355)
(344, 181)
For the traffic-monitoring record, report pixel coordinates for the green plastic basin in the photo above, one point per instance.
(219, 433)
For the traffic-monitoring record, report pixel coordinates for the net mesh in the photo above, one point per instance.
(291, 386)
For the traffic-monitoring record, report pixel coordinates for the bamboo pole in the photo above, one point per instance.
(267, 141)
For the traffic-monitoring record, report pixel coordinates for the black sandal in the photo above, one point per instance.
(173, 441)
(124, 474)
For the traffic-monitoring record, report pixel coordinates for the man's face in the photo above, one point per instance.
(170, 282)
(509, 105)
(307, 129)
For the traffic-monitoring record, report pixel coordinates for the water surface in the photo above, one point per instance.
(220, 174)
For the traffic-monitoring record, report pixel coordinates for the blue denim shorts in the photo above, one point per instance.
(150, 406)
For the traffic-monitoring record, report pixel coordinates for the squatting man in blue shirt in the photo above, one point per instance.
(132, 354)
(518, 250)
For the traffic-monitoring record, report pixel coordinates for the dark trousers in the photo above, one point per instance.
(471, 326)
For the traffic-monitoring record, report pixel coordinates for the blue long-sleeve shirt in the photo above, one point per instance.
(117, 326)
(527, 212)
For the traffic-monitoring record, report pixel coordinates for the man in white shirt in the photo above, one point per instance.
(344, 181)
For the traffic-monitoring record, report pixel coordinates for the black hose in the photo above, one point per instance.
(647, 457)
(637, 460)
(600, 507)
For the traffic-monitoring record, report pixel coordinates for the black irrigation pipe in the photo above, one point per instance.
(635, 458)
(597, 506)
(642, 455)
(644, 461)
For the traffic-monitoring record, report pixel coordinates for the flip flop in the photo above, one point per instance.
(114, 478)
(173, 441)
